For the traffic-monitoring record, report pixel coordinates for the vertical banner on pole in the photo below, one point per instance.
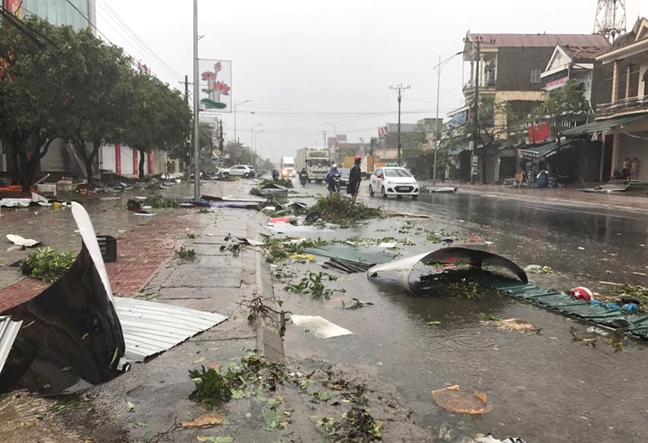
(216, 85)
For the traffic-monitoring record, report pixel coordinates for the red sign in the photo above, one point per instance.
(14, 6)
(539, 133)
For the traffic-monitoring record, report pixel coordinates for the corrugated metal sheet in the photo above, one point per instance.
(563, 303)
(8, 331)
(601, 125)
(353, 254)
(151, 328)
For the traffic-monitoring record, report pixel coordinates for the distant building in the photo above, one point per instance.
(621, 125)
(508, 69)
(77, 13)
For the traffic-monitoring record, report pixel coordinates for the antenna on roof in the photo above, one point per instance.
(610, 18)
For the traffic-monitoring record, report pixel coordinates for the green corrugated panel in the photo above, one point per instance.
(353, 254)
(564, 304)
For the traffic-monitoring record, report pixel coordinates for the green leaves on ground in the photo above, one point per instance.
(211, 387)
(355, 426)
(313, 286)
(338, 209)
(278, 249)
(225, 439)
(47, 264)
(185, 254)
(159, 202)
(286, 183)
(356, 304)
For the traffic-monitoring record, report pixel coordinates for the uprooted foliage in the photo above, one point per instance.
(159, 202)
(254, 377)
(313, 285)
(621, 294)
(277, 249)
(337, 209)
(47, 264)
(286, 183)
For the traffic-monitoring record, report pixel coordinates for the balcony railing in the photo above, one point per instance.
(630, 105)
(470, 85)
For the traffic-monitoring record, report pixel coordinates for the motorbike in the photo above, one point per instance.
(303, 179)
(334, 183)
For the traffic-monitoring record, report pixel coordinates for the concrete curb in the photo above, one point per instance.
(269, 340)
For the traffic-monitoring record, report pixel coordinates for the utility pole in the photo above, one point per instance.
(476, 135)
(187, 154)
(220, 142)
(437, 137)
(399, 90)
(196, 136)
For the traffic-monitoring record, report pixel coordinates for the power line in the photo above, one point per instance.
(120, 22)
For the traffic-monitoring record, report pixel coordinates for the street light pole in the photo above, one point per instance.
(399, 90)
(437, 137)
(234, 109)
(196, 85)
(252, 139)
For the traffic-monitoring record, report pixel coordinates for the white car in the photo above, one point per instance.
(244, 171)
(393, 181)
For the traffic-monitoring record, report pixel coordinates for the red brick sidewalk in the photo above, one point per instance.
(140, 253)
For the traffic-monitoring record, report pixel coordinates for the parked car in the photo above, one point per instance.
(393, 181)
(244, 171)
(344, 176)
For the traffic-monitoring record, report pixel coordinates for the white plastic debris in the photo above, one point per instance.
(319, 326)
(22, 242)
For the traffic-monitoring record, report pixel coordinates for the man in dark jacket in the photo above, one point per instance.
(355, 177)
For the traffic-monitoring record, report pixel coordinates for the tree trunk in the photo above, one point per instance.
(141, 164)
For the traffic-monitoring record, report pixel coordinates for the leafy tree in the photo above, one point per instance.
(99, 106)
(161, 118)
(563, 105)
(35, 86)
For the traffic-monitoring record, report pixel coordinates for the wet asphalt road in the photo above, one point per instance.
(544, 388)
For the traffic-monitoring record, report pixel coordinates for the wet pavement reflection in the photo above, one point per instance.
(543, 387)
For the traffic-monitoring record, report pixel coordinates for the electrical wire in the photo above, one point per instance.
(121, 23)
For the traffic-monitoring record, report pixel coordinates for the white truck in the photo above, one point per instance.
(287, 167)
(317, 162)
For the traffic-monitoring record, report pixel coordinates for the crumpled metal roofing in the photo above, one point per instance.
(8, 331)
(352, 254)
(151, 328)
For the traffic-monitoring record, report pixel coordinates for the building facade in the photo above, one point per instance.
(621, 124)
(507, 71)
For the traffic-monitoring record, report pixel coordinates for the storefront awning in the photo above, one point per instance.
(549, 149)
(602, 125)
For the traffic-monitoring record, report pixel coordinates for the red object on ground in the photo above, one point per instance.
(581, 293)
(476, 240)
(280, 220)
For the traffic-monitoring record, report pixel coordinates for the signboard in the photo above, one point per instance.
(14, 7)
(539, 133)
(526, 154)
(474, 165)
(216, 84)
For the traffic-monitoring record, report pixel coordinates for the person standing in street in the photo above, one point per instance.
(626, 169)
(355, 177)
(634, 169)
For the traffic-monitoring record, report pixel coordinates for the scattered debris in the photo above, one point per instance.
(345, 266)
(453, 400)
(356, 304)
(443, 190)
(537, 269)
(404, 214)
(514, 324)
(22, 242)
(313, 286)
(47, 264)
(488, 438)
(186, 254)
(439, 259)
(338, 209)
(319, 326)
(160, 202)
(277, 249)
(223, 439)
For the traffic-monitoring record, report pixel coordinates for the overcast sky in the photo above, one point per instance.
(310, 65)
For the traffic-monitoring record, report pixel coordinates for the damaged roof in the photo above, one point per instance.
(584, 53)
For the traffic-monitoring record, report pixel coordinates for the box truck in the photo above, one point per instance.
(317, 162)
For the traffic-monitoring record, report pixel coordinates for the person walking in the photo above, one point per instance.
(626, 169)
(355, 177)
(634, 169)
